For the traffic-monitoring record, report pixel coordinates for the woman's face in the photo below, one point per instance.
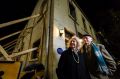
(87, 40)
(73, 43)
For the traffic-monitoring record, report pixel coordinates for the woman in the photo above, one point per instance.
(72, 64)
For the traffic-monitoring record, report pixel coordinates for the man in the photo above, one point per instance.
(99, 62)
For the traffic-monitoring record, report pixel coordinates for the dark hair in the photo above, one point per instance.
(88, 35)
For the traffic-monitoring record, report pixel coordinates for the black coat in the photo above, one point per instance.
(69, 69)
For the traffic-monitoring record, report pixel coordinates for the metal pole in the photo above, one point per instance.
(9, 43)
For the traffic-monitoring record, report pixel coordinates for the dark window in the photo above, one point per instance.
(84, 24)
(36, 52)
(91, 30)
(72, 11)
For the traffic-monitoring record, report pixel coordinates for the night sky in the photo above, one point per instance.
(105, 17)
(97, 10)
(13, 10)
(99, 13)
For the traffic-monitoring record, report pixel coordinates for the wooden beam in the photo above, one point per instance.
(5, 37)
(23, 52)
(17, 21)
(5, 54)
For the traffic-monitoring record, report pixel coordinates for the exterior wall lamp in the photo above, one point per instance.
(61, 31)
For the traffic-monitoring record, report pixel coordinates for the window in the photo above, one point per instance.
(84, 24)
(91, 29)
(36, 52)
(72, 10)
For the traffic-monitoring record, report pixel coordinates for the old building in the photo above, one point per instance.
(52, 24)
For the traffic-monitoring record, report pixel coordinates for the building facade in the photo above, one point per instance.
(50, 31)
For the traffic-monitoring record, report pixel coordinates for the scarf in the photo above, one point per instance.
(101, 62)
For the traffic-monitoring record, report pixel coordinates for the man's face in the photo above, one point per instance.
(87, 40)
(73, 43)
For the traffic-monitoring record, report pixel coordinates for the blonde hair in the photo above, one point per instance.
(79, 41)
